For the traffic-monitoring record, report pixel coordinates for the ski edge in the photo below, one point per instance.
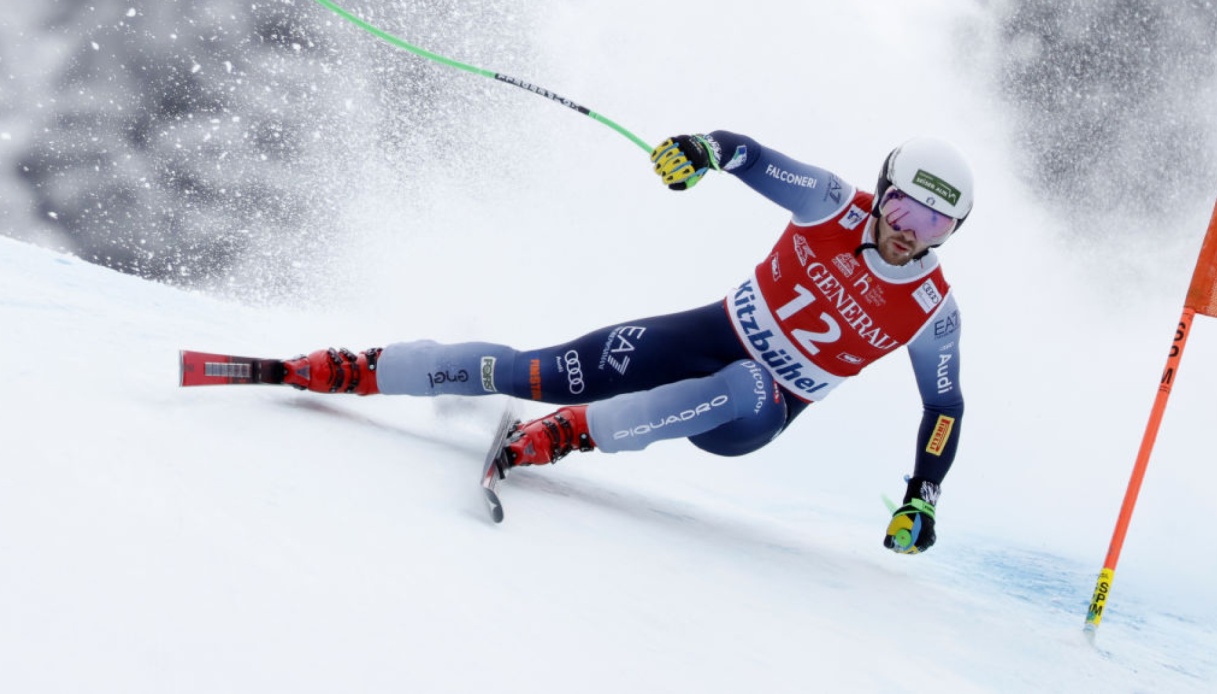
(492, 472)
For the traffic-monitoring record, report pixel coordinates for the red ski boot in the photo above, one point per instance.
(549, 438)
(333, 370)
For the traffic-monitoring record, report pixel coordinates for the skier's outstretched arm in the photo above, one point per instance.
(935, 358)
(812, 194)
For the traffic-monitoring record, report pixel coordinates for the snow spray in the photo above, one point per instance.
(522, 84)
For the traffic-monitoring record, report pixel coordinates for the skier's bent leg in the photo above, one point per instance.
(731, 412)
(741, 400)
(746, 434)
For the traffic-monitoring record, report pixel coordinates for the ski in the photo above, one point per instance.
(208, 369)
(494, 468)
(205, 369)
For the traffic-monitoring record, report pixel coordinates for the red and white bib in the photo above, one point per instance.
(815, 314)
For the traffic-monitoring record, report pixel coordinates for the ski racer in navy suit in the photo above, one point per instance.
(852, 278)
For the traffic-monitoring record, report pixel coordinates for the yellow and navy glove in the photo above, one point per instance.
(911, 530)
(682, 160)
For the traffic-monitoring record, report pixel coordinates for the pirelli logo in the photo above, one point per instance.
(942, 434)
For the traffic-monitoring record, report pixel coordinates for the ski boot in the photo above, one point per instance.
(549, 438)
(333, 371)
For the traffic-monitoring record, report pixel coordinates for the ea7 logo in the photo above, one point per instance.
(834, 190)
(618, 347)
(946, 325)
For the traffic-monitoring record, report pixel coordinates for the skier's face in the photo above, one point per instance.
(907, 227)
(896, 247)
(902, 212)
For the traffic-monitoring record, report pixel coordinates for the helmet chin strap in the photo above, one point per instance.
(874, 229)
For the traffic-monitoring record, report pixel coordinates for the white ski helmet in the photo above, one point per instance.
(932, 172)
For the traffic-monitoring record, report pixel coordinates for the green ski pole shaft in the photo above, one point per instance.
(535, 89)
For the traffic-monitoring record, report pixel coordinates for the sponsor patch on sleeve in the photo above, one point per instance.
(738, 157)
(534, 378)
(488, 374)
(927, 295)
(941, 435)
(854, 217)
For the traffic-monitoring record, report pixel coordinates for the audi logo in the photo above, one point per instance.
(574, 372)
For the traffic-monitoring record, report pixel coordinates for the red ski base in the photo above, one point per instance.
(203, 369)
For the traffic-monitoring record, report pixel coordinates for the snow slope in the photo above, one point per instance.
(259, 539)
(159, 539)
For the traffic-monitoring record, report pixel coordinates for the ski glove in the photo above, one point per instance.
(682, 160)
(911, 530)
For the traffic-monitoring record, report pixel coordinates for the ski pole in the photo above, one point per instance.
(527, 86)
(1201, 298)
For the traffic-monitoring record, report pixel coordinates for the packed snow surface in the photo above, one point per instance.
(259, 539)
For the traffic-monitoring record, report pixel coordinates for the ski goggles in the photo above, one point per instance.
(903, 213)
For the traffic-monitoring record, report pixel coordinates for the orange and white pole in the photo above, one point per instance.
(1202, 299)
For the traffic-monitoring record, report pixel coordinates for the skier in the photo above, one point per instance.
(852, 278)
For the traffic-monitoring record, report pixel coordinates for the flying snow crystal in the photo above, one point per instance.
(95, 45)
(131, 12)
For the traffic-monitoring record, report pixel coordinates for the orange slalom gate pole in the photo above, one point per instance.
(1201, 298)
(1095, 614)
